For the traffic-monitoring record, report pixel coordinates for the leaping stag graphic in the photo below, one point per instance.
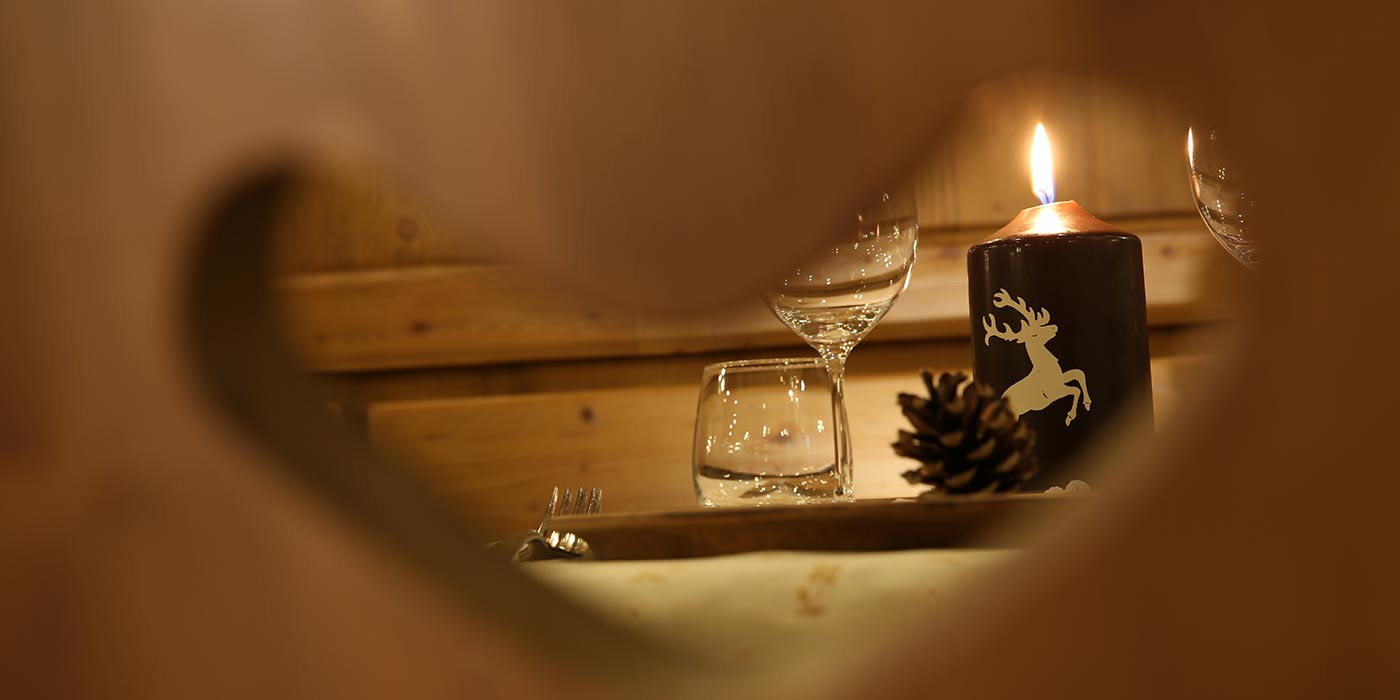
(1046, 383)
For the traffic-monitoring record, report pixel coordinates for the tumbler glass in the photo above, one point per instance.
(763, 435)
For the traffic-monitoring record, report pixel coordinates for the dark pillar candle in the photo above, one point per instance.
(1068, 339)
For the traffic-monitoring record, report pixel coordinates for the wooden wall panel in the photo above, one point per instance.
(1118, 151)
(357, 220)
(365, 388)
(467, 315)
(498, 456)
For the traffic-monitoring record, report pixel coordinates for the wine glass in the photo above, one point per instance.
(1216, 185)
(834, 300)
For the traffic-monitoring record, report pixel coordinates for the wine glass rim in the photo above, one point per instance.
(766, 363)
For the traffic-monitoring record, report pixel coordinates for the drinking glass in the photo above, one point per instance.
(834, 300)
(763, 434)
(1221, 200)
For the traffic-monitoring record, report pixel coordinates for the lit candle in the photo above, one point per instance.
(1059, 320)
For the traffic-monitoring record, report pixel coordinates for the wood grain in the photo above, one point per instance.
(359, 389)
(498, 457)
(1120, 151)
(990, 521)
(355, 219)
(467, 315)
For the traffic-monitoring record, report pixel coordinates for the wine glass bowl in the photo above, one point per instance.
(834, 300)
(1216, 184)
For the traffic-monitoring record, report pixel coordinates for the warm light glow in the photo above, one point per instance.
(1190, 149)
(1042, 167)
(1047, 220)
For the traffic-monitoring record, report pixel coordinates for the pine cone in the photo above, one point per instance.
(967, 437)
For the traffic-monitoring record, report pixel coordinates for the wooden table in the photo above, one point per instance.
(877, 525)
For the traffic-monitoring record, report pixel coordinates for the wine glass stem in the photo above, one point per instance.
(836, 370)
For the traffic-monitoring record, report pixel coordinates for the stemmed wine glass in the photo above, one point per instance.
(1225, 207)
(835, 299)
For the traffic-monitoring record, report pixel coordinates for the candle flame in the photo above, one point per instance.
(1042, 167)
(1047, 220)
(1190, 149)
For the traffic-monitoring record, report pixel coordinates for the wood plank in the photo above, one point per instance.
(1118, 151)
(986, 521)
(359, 389)
(498, 456)
(470, 315)
(356, 219)
(365, 388)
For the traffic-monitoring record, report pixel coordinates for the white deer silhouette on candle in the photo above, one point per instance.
(1046, 383)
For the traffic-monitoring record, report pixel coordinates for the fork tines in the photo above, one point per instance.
(584, 503)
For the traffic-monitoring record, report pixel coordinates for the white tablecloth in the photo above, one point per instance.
(767, 606)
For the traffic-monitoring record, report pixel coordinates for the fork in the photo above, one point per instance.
(561, 544)
(592, 506)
